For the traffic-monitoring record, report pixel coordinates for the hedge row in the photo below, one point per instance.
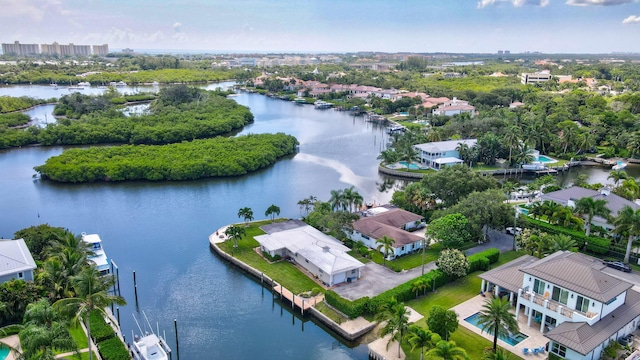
(596, 245)
(483, 259)
(109, 345)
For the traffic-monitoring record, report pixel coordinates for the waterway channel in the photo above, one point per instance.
(160, 230)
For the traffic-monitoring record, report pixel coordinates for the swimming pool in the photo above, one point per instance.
(546, 159)
(513, 339)
(411, 166)
(4, 353)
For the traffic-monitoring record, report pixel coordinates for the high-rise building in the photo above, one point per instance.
(100, 49)
(20, 49)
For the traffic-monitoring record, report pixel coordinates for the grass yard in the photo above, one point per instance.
(330, 313)
(283, 272)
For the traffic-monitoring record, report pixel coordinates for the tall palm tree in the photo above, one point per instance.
(617, 175)
(235, 233)
(337, 200)
(247, 214)
(512, 139)
(448, 350)
(496, 318)
(91, 293)
(397, 323)
(589, 208)
(352, 197)
(272, 211)
(385, 246)
(628, 223)
(418, 285)
(419, 337)
(500, 354)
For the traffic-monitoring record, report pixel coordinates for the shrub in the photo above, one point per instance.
(113, 349)
(477, 262)
(453, 263)
(595, 244)
(100, 330)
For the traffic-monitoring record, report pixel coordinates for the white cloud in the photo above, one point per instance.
(177, 26)
(515, 3)
(632, 19)
(599, 2)
(21, 8)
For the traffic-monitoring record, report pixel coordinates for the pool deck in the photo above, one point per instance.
(535, 339)
(13, 341)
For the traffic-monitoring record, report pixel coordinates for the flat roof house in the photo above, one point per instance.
(16, 261)
(322, 255)
(577, 306)
(393, 223)
(440, 154)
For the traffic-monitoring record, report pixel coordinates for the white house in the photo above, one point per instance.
(454, 107)
(532, 78)
(16, 261)
(571, 299)
(322, 255)
(440, 154)
(99, 257)
(393, 223)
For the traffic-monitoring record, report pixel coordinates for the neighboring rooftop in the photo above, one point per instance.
(444, 146)
(615, 203)
(579, 273)
(15, 257)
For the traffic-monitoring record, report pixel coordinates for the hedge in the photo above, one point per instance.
(596, 245)
(481, 260)
(113, 349)
(100, 330)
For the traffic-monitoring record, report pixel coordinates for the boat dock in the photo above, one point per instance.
(302, 303)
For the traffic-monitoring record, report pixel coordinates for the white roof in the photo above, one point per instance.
(322, 250)
(448, 160)
(15, 257)
(443, 146)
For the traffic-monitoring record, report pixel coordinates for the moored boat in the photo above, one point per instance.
(619, 166)
(151, 346)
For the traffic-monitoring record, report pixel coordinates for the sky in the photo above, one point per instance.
(458, 26)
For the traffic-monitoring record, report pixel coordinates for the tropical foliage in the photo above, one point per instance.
(453, 263)
(496, 319)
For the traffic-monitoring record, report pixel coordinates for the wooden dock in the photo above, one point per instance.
(302, 303)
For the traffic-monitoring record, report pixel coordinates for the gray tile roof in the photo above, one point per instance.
(583, 338)
(509, 276)
(15, 257)
(615, 203)
(579, 273)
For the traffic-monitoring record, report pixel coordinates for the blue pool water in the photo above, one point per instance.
(513, 340)
(4, 353)
(411, 166)
(546, 159)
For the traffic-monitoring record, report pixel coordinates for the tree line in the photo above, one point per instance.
(180, 161)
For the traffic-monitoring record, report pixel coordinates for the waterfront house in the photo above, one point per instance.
(16, 261)
(440, 154)
(569, 197)
(569, 297)
(454, 107)
(393, 223)
(98, 256)
(322, 255)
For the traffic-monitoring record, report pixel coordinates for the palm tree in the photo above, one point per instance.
(563, 242)
(509, 187)
(628, 223)
(512, 139)
(235, 233)
(337, 200)
(418, 285)
(617, 175)
(385, 247)
(397, 318)
(590, 208)
(352, 197)
(448, 350)
(272, 211)
(247, 214)
(500, 354)
(496, 318)
(419, 338)
(91, 293)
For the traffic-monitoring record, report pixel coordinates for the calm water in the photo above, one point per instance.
(160, 230)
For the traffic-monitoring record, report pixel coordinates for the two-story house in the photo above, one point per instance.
(572, 299)
(440, 154)
(393, 223)
(454, 107)
(16, 261)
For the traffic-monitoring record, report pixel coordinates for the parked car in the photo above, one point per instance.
(618, 265)
(513, 231)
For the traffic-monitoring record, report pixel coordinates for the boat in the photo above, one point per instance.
(150, 346)
(534, 166)
(619, 166)
(97, 256)
(120, 84)
(75, 87)
(84, 83)
(322, 104)
(300, 100)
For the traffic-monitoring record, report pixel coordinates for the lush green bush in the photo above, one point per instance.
(14, 119)
(352, 309)
(595, 244)
(197, 159)
(100, 330)
(8, 103)
(477, 262)
(113, 349)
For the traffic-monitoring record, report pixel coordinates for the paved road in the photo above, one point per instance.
(377, 279)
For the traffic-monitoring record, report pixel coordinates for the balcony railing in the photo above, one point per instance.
(555, 306)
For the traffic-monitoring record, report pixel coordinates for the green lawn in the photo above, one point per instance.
(330, 313)
(414, 260)
(283, 272)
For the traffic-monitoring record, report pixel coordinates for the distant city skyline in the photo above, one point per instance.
(457, 26)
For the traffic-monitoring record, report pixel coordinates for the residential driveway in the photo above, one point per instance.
(632, 277)
(497, 239)
(377, 279)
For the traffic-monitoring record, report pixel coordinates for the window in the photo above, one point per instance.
(353, 271)
(538, 287)
(306, 260)
(582, 304)
(20, 275)
(560, 295)
(321, 272)
(365, 236)
(559, 349)
(612, 300)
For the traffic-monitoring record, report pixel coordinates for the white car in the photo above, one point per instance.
(513, 231)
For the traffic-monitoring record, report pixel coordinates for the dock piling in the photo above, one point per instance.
(175, 326)
(135, 287)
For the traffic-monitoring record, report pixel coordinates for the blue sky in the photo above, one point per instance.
(552, 26)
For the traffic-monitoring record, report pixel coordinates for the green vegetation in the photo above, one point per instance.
(9, 104)
(14, 119)
(183, 161)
